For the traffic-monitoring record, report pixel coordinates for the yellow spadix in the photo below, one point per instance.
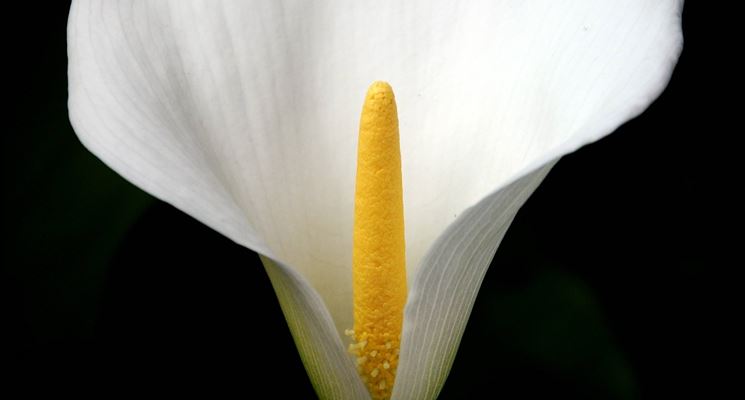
(379, 262)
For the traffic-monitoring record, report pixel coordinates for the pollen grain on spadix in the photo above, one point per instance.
(378, 255)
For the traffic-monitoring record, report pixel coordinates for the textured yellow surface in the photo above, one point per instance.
(379, 263)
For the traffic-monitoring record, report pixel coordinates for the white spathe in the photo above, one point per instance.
(244, 114)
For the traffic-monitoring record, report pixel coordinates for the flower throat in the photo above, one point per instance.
(378, 255)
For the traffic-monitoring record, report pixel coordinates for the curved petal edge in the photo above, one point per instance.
(444, 290)
(328, 364)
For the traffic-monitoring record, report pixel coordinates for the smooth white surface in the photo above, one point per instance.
(244, 115)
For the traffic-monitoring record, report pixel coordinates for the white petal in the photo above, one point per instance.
(578, 71)
(516, 84)
(445, 288)
(219, 109)
(244, 114)
(329, 366)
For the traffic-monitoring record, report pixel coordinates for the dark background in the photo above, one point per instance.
(605, 286)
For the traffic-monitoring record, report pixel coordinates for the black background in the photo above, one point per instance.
(604, 287)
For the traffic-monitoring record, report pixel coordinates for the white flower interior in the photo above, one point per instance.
(244, 115)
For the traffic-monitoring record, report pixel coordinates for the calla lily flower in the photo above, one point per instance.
(244, 115)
